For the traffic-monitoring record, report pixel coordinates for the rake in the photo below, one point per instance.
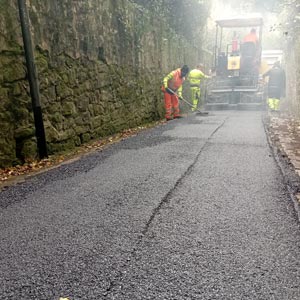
(198, 112)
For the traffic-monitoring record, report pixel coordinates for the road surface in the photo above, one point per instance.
(193, 209)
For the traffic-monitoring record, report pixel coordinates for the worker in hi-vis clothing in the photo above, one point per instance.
(172, 88)
(276, 85)
(194, 78)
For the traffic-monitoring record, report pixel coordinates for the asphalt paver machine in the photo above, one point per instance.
(236, 81)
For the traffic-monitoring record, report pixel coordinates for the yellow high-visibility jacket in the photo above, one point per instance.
(195, 77)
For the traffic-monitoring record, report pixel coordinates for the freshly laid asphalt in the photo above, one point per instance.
(193, 209)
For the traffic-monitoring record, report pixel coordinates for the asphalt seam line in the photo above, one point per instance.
(156, 210)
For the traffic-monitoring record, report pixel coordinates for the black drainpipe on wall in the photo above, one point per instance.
(33, 81)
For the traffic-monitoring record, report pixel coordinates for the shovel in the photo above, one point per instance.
(198, 112)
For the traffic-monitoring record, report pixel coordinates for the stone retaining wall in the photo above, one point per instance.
(100, 64)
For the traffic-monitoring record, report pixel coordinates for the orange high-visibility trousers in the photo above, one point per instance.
(171, 105)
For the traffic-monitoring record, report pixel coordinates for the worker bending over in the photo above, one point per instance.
(172, 88)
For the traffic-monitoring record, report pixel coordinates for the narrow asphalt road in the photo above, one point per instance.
(194, 209)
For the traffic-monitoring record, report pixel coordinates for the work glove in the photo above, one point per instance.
(169, 91)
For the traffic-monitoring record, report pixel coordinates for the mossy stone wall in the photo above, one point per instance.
(100, 65)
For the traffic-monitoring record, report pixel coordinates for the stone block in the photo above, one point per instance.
(62, 146)
(80, 130)
(86, 137)
(52, 134)
(54, 108)
(97, 121)
(13, 72)
(7, 152)
(63, 91)
(68, 108)
(24, 132)
(82, 104)
(29, 149)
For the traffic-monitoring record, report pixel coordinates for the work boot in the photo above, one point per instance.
(178, 117)
(169, 118)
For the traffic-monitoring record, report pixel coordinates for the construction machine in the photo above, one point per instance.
(236, 81)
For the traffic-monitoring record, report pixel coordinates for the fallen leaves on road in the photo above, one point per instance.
(52, 161)
(285, 133)
(26, 168)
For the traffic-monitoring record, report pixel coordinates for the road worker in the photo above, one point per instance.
(251, 37)
(235, 44)
(194, 78)
(276, 86)
(251, 53)
(172, 88)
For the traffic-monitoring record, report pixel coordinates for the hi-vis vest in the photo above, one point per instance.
(251, 37)
(173, 81)
(195, 77)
